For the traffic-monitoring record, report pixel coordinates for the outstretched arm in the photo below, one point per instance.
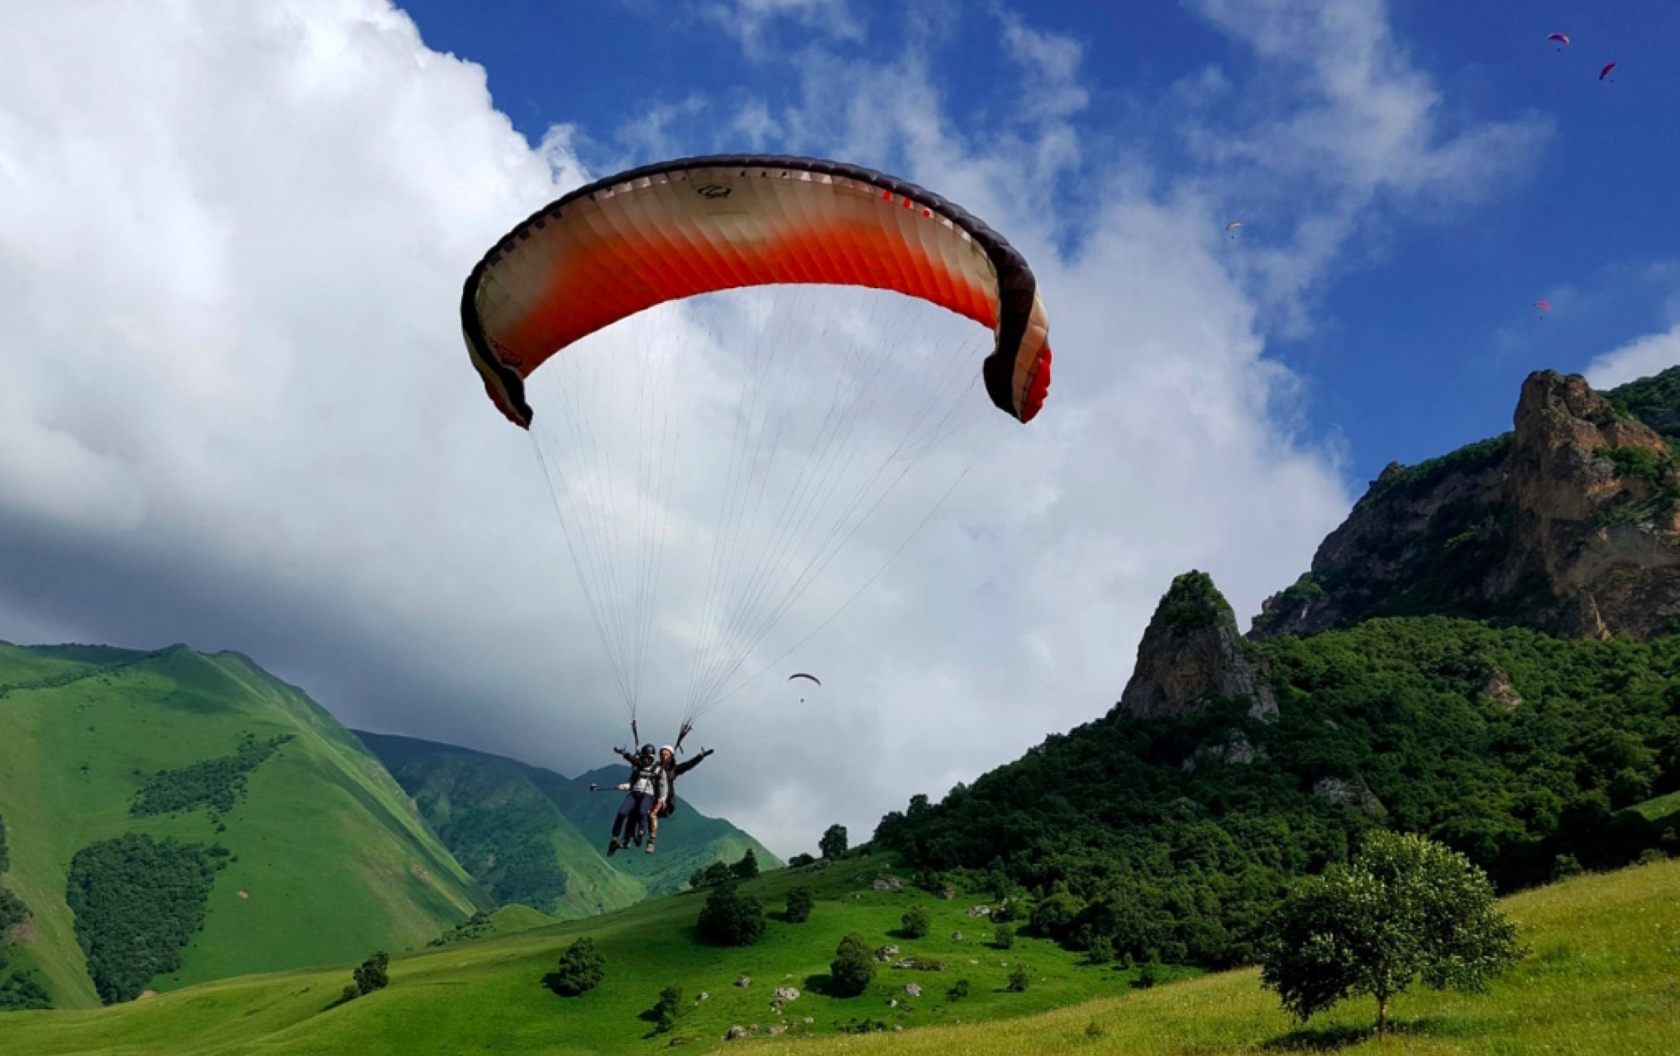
(685, 767)
(626, 755)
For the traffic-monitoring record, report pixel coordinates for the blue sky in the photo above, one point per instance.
(1421, 332)
(235, 409)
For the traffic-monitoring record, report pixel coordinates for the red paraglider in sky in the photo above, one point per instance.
(1606, 71)
(1544, 306)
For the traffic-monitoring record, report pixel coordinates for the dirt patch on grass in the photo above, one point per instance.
(146, 995)
(21, 934)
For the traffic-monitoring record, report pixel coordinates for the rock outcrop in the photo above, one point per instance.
(1193, 655)
(1570, 524)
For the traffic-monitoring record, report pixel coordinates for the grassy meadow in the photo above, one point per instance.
(1603, 976)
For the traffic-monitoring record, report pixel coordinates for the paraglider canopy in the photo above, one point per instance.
(1606, 71)
(1233, 225)
(1561, 38)
(1544, 306)
(698, 225)
(802, 674)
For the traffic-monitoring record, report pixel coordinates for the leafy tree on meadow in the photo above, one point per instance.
(665, 1011)
(731, 919)
(853, 966)
(582, 967)
(746, 868)
(372, 973)
(1018, 978)
(799, 905)
(833, 842)
(916, 922)
(1405, 908)
(717, 873)
(1003, 937)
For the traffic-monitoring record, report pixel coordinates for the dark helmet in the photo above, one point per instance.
(646, 752)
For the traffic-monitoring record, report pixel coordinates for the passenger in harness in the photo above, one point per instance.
(648, 789)
(673, 770)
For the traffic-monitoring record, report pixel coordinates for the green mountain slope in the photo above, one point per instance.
(688, 840)
(1599, 981)
(323, 859)
(1178, 833)
(529, 834)
(503, 829)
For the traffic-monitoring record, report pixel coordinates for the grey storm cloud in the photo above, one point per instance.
(235, 411)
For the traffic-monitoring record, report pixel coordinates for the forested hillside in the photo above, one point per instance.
(1178, 833)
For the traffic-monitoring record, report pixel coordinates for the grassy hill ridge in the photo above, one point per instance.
(323, 859)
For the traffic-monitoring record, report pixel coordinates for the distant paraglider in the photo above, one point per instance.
(802, 674)
(1544, 307)
(1561, 38)
(1606, 71)
(1232, 228)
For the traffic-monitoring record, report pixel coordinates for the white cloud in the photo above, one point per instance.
(751, 21)
(1637, 359)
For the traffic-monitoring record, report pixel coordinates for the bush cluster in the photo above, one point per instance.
(372, 974)
(582, 967)
(799, 905)
(853, 966)
(730, 919)
(137, 903)
(213, 783)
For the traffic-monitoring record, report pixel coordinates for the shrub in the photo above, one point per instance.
(349, 993)
(665, 1011)
(958, 991)
(799, 905)
(833, 842)
(746, 868)
(1652, 855)
(581, 968)
(1053, 916)
(371, 974)
(853, 966)
(1003, 937)
(1018, 978)
(1149, 973)
(916, 922)
(1566, 865)
(1102, 950)
(717, 873)
(799, 861)
(728, 919)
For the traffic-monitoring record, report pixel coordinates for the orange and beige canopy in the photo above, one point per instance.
(681, 228)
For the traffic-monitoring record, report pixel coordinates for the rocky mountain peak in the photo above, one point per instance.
(1570, 523)
(1192, 655)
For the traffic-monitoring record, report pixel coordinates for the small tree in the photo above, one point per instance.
(957, 992)
(581, 968)
(371, 974)
(728, 919)
(799, 861)
(852, 968)
(1405, 908)
(1018, 978)
(667, 1008)
(717, 873)
(799, 905)
(746, 868)
(1003, 937)
(833, 842)
(916, 922)
(697, 879)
